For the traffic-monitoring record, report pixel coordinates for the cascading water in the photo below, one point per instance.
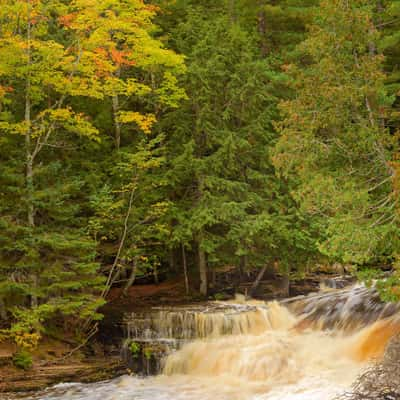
(309, 348)
(161, 331)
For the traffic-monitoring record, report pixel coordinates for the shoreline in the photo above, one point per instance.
(17, 383)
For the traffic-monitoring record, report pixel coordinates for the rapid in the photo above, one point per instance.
(308, 348)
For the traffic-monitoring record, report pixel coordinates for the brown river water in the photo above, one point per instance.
(311, 348)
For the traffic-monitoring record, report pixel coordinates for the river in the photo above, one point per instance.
(268, 352)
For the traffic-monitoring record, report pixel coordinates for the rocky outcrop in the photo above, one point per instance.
(41, 377)
(382, 380)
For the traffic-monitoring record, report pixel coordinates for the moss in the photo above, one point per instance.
(147, 352)
(134, 349)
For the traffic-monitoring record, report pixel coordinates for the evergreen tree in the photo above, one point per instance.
(387, 20)
(228, 204)
(334, 142)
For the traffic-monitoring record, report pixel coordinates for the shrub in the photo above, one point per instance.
(23, 360)
(148, 352)
(135, 349)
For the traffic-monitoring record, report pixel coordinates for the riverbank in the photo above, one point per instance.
(41, 377)
(99, 360)
(51, 366)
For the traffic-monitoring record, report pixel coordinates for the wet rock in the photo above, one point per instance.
(347, 309)
(382, 380)
(145, 357)
(41, 377)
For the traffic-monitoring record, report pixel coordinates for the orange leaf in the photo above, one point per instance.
(67, 20)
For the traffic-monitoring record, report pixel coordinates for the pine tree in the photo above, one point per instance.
(228, 204)
(387, 14)
(334, 142)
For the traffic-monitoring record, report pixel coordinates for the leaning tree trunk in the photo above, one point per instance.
(131, 279)
(258, 280)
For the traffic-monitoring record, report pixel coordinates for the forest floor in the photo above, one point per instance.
(170, 291)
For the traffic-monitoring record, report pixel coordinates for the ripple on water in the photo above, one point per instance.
(187, 388)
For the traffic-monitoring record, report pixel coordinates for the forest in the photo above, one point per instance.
(154, 139)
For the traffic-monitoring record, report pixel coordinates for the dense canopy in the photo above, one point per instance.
(162, 138)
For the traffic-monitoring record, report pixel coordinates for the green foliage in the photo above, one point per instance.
(148, 353)
(387, 286)
(59, 68)
(334, 144)
(221, 296)
(135, 349)
(369, 275)
(23, 360)
(243, 132)
(236, 208)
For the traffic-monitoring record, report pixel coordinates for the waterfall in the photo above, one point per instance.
(262, 346)
(207, 321)
(305, 348)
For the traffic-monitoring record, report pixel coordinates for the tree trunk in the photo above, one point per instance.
(172, 261)
(111, 275)
(120, 274)
(3, 312)
(201, 255)
(258, 280)
(155, 274)
(117, 125)
(131, 279)
(185, 272)
(286, 285)
(242, 267)
(34, 299)
(286, 278)
(28, 151)
(372, 48)
(213, 278)
(202, 266)
(29, 182)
